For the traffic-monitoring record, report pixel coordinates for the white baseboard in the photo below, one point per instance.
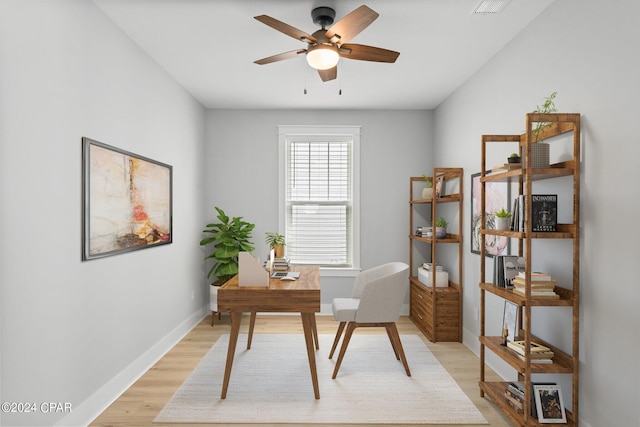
(89, 410)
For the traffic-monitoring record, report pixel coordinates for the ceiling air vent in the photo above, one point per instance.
(486, 7)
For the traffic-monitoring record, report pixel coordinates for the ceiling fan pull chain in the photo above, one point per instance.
(304, 64)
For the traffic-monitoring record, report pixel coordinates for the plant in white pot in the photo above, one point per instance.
(427, 192)
(275, 242)
(229, 236)
(441, 227)
(502, 219)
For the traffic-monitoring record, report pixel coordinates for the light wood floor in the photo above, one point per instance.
(139, 405)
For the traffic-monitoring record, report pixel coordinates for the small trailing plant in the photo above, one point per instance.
(428, 181)
(503, 214)
(441, 222)
(547, 107)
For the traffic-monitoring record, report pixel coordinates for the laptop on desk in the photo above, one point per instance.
(283, 274)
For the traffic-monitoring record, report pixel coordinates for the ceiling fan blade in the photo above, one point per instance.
(280, 57)
(286, 28)
(329, 74)
(352, 24)
(367, 53)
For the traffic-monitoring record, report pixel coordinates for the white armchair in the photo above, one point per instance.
(376, 301)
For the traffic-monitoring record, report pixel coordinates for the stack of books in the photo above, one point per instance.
(281, 264)
(515, 397)
(428, 266)
(542, 285)
(538, 354)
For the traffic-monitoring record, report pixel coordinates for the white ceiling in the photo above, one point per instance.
(208, 47)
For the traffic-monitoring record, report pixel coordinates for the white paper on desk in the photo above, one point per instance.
(250, 272)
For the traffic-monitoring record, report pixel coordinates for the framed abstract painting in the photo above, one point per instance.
(127, 201)
(497, 197)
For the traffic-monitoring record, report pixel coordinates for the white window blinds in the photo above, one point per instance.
(319, 194)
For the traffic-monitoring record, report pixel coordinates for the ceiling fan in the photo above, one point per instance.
(327, 46)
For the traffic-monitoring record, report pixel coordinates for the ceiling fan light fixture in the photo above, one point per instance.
(322, 56)
(487, 7)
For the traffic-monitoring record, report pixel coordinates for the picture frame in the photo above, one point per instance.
(510, 319)
(127, 201)
(498, 195)
(549, 404)
(439, 186)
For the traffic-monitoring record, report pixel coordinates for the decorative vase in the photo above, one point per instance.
(278, 251)
(441, 232)
(503, 223)
(427, 193)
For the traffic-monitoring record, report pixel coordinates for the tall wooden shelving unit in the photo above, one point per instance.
(563, 363)
(437, 311)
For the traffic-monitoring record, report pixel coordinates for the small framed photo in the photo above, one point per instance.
(549, 404)
(510, 320)
(439, 188)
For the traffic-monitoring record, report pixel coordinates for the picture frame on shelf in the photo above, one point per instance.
(127, 201)
(549, 404)
(498, 196)
(439, 187)
(510, 319)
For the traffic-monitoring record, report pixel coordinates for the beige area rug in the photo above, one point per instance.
(271, 383)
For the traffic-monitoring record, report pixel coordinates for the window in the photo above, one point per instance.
(319, 194)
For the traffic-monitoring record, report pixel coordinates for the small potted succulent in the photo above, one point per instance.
(427, 192)
(514, 158)
(503, 219)
(441, 227)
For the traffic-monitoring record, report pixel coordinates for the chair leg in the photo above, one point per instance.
(213, 318)
(392, 331)
(252, 323)
(337, 338)
(393, 344)
(345, 342)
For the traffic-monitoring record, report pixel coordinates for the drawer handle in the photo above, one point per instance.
(420, 317)
(419, 296)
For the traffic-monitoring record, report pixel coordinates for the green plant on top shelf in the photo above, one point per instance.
(428, 181)
(547, 107)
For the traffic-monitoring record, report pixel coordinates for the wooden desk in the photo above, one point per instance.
(300, 296)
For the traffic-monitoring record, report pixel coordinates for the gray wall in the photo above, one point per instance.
(582, 49)
(242, 174)
(73, 331)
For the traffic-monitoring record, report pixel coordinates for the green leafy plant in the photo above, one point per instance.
(229, 237)
(514, 155)
(547, 107)
(428, 181)
(503, 214)
(441, 222)
(272, 239)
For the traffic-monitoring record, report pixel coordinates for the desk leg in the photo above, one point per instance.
(236, 317)
(308, 320)
(315, 331)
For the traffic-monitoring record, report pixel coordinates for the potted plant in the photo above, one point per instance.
(275, 242)
(441, 227)
(540, 149)
(514, 158)
(503, 219)
(427, 192)
(229, 236)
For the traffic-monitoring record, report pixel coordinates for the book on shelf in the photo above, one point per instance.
(535, 276)
(517, 387)
(428, 266)
(511, 265)
(546, 360)
(544, 212)
(536, 294)
(521, 283)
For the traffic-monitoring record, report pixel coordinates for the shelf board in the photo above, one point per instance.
(449, 238)
(562, 362)
(554, 171)
(565, 300)
(453, 287)
(447, 198)
(565, 231)
(496, 390)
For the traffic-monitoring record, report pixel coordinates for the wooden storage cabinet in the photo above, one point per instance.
(564, 363)
(437, 311)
